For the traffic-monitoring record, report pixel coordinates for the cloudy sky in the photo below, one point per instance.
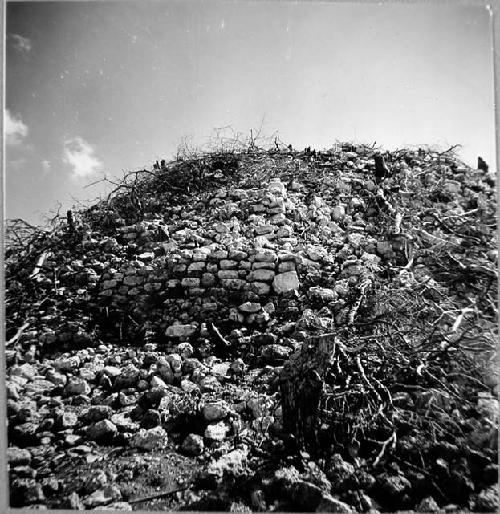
(97, 87)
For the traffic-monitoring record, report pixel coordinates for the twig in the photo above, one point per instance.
(386, 443)
(18, 334)
(161, 494)
(450, 149)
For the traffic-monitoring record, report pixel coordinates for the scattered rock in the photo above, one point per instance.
(102, 431)
(217, 431)
(193, 445)
(152, 439)
(215, 411)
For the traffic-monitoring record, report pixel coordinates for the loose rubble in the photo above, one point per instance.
(158, 344)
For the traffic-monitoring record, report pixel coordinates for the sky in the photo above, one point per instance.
(98, 88)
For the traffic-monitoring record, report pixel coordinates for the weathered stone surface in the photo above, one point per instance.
(260, 288)
(273, 353)
(77, 386)
(261, 275)
(215, 411)
(285, 282)
(266, 256)
(427, 504)
(181, 330)
(227, 274)
(193, 445)
(102, 431)
(208, 280)
(151, 439)
(190, 282)
(233, 284)
(322, 293)
(232, 462)
(249, 307)
(217, 431)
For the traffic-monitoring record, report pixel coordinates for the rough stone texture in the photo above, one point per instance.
(285, 282)
(101, 431)
(142, 330)
(193, 444)
(217, 431)
(151, 439)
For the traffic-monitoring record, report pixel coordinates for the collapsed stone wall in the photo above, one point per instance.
(292, 256)
(235, 256)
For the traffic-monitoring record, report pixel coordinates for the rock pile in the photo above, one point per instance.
(148, 340)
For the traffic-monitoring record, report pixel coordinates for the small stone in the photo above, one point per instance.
(68, 420)
(190, 282)
(275, 353)
(111, 371)
(158, 382)
(285, 266)
(123, 422)
(193, 444)
(427, 504)
(175, 362)
(102, 497)
(77, 386)
(216, 432)
(74, 502)
(128, 377)
(185, 350)
(237, 367)
(339, 472)
(249, 307)
(261, 275)
(72, 439)
(260, 288)
(306, 496)
(151, 399)
(208, 280)
(95, 480)
(215, 411)
(209, 383)
(486, 500)
(188, 386)
(233, 284)
(178, 331)
(266, 256)
(231, 463)
(102, 431)
(151, 419)
(151, 439)
(67, 363)
(322, 293)
(394, 486)
(166, 373)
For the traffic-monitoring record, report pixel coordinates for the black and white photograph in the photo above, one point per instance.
(250, 257)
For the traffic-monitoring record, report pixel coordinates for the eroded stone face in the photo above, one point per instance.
(285, 282)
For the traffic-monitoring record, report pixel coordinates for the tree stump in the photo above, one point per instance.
(301, 384)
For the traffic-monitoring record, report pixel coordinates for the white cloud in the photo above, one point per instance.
(46, 166)
(14, 128)
(21, 44)
(81, 156)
